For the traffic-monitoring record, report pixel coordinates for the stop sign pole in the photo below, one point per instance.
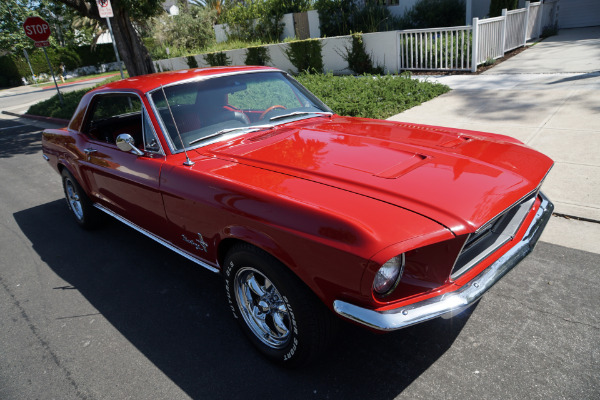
(38, 30)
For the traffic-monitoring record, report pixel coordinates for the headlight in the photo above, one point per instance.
(389, 275)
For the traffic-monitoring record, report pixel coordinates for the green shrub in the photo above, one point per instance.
(52, 107)
(191, 62)
(10, 76)
(335, 16)
(357, 58)
(217, 59)
(496, 6)
(56, 55)
(257, 56)
(190, 30)
(434, 14)
(371, 96)
(342, 17)
(373, 17)
(306, 55)
(251, 20)
(101, 54)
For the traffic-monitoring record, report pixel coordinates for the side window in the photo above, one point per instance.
(113, 114)
(150, 139)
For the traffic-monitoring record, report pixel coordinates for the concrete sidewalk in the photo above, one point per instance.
(548, 97)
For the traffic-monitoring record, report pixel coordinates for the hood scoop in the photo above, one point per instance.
(408, 163)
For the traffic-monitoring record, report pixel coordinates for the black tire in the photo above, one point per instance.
(79, 203)
(297, 326)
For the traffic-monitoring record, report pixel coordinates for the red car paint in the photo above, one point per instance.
(331, 197)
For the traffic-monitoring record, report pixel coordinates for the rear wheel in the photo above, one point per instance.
(79, 204)
(280, 316)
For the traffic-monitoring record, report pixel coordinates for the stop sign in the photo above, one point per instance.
(37, 29)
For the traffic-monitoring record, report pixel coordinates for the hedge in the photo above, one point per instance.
(15, 66)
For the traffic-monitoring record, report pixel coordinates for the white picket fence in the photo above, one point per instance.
(430, 49)
(464, 48)
(441, 49)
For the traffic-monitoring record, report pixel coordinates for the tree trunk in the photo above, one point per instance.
(131, 49)
(133, 52)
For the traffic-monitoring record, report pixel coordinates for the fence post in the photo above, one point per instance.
(475, 45)
(505, 18)
(526, 22)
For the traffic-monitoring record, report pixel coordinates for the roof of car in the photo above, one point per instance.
(145, 83)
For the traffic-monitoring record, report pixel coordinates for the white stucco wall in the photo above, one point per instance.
(383, 49)
(288, 26)
(381, 46)
(333, 52)
(220, 32)
(314, 25)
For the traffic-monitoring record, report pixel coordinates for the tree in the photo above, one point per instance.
(12, 15)
(133, 52)
(173, 31)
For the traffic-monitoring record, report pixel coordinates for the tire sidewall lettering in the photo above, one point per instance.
(287, 353)
(228, 289)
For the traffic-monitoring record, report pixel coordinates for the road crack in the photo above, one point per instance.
(529, 307)
(45, 345)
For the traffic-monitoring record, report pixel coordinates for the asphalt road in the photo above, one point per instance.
(110, 314)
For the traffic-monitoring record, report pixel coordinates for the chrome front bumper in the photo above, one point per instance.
(460, 299)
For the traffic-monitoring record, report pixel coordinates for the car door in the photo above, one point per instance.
(124, 183)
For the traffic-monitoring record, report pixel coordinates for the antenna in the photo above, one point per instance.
(187, 161)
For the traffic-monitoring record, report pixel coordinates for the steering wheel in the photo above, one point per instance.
(275, 107)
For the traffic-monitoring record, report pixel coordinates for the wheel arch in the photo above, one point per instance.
(261, 241)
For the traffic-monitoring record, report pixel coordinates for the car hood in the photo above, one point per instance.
(460, 179)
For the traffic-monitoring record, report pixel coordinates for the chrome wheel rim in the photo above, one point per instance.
(262, 307)
(73, 199)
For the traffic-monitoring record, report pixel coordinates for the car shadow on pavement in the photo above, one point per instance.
(174, 313)
(17, 139)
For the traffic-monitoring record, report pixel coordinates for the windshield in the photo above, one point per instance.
(201, 112)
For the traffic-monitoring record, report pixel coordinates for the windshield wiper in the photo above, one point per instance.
(299, 113)
(227, 130)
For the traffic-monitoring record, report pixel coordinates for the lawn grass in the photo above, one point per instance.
(371, 96)
(368, 96)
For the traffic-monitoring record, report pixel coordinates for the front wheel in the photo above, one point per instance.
(280, 316)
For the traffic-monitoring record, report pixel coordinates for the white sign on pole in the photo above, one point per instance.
(104, 8)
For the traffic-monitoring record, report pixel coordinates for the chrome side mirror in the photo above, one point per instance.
(125, 143)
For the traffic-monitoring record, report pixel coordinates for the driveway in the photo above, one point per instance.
(548, 97)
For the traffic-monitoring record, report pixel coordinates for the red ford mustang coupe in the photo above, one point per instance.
(306, 214)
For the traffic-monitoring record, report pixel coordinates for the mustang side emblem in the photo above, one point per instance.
(197, 243)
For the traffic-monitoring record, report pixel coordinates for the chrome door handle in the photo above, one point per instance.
(89, 151)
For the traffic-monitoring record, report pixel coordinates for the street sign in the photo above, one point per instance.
(105, 11)
(104, 8)
(36, 29)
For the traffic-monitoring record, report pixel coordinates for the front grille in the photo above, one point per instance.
(492, 235)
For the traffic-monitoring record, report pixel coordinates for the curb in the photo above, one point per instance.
(58, 121)
(78, 81)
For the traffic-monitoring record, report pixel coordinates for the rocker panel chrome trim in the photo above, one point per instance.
(158, 239)
(468, 294)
